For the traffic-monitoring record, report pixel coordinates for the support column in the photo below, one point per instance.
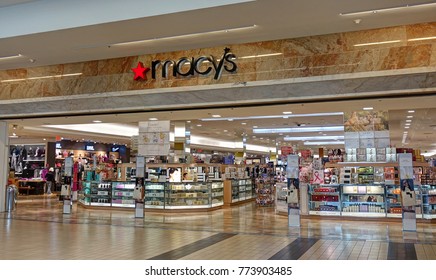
(179, 141)
(4, 166)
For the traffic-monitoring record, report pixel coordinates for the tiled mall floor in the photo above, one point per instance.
(38, 230)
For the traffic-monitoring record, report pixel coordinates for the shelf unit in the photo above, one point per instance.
(122, 194)
(95, 193)
(217, 194)
(428, 201)
(324, 199)
(154, 195)
(265, 191)
(363, 200)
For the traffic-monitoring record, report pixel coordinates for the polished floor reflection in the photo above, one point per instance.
(39, 230)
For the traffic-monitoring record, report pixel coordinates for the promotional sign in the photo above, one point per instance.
(293, 166)
(408, 196)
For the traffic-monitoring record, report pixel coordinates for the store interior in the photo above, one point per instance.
(314, 126)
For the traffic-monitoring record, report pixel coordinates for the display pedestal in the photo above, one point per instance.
(139, 209)
(293, 215)
(67, 206)
(409, 220)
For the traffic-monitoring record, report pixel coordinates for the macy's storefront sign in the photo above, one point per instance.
(203, 65)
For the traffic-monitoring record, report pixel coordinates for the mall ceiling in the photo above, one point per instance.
(47, 32)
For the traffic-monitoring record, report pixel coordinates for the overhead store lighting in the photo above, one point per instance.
(103, 128)
(275, 116)
(390, 9)
(299, 129)
(11, 57)
(311, 138)
(422, 39)
(213, 32)
(377, 43)
(308, 143)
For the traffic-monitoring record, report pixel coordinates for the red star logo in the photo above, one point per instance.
(140, 71)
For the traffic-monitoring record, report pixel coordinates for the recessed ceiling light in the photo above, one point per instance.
(225, 130)
(409, 117)
(255, 126)
(406, 127)
(230, 120)
(96, 121)
(368, 108)
(287, 112)
(408, 121)
(243, 123)
(44, 139)
(411, 111)
(199, 125)
(188, 121)
(216, 116)
(152, 119)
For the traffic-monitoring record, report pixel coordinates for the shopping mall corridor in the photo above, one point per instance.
(38, 230)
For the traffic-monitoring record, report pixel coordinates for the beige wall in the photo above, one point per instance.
(301, 57)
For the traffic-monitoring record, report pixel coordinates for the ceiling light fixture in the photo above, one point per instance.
(411, 111)
(311, 138)
(152, 119)
(377, 43)
(390, 9)
(287, 113)
(368, 108)
(409, 121)
(227, 30)
(96, 121)
(275, 116)
(409, 117)
(308, 143)
(41, 77)
(216, 116)
(11, 57)
(299, 129)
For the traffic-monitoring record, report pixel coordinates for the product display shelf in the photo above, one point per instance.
(428, 201)
(97, 193)
(393, 201)
(188, 195)
(154, 195)
(217, 193)
(324, 199)
(363, 200)
(265, 191)
(242, 189)
(122, 194)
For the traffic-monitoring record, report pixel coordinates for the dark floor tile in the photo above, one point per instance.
(294, 250)
(401, 251)
(193, 247)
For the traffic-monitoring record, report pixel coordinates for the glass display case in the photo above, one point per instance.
(122, 194)
(192, 195)
(393, 201)
(428, 201)
(154, 195)
(96, 193)
(242, 189)
(217, 194)
(324, 199)
(363, 200)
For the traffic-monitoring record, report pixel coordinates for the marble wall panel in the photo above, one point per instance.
(301, 57)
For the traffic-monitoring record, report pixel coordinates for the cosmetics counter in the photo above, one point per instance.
(354, 200)
(157, 195)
